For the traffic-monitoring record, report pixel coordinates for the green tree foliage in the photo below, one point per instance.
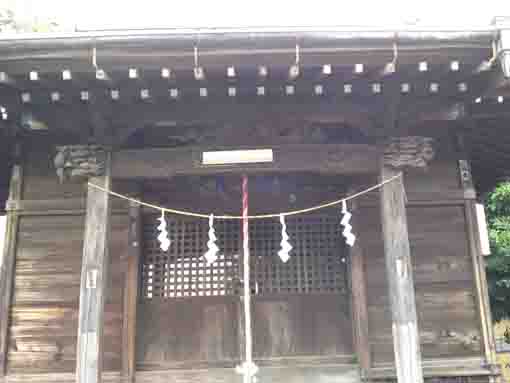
(498, 264)
(9, 22)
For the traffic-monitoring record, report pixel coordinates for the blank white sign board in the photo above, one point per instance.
(482, 229)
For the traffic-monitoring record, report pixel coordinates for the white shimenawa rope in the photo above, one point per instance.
(240, 217)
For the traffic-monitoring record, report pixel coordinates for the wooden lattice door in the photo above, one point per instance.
(300, 308)
(190, 313)
(189, 309)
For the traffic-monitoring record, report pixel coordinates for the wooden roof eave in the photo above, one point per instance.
(220, 48)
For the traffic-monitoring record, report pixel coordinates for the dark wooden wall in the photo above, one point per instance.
(443, 269)
(45, 301)
(44, 312)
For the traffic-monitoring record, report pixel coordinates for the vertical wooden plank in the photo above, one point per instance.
(399, 272)
(94, 275)
(359, 304)
(9, 258)
(478, 260)
(131, 288)
(481, 290)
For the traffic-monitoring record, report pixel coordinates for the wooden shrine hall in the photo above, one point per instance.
(413, 125)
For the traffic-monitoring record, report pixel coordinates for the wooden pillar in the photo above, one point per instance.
(94, 276)
(9, 257)
(478, 260)
(481, 289)
(399, 271)
(359, 303)
(131, 288)
(402, 152)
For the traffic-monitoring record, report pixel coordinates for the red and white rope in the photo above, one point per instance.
(248, 368)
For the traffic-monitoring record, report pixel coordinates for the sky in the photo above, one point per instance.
(117, 14)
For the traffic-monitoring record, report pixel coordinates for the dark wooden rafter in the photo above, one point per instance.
(242, 114)
(104, 120)
(175, 52)
(114, 123)
(422, 111)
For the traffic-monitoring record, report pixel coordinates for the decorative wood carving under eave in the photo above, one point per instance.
(410, 151)
(79, 161)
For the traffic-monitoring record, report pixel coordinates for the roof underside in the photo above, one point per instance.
(176, 48)
(453, 103)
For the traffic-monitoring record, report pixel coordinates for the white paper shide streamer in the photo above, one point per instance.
(248, 369)
(285, 246)
(211, 255)
(164, 241)
(350, 238)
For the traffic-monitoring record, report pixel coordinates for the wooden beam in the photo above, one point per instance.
(416, 113)
(243, 114)
(440, 367)
(163, 163)
(359, 304)
(62, 206)
(399, 273)
(7, 270)
(131, 288)
(94, 277)
(115, 122)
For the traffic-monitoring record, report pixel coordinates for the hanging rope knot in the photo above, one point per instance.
(247, 368)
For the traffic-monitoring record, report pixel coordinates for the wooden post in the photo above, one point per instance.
(481, 288)
(94, 276)
(131, 293)
(359, 304)
(399, 271)
(478, 260)
(9, 258)
(402, 152)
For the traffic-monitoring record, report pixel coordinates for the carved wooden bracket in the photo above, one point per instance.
(410, 151)
(79, 161)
